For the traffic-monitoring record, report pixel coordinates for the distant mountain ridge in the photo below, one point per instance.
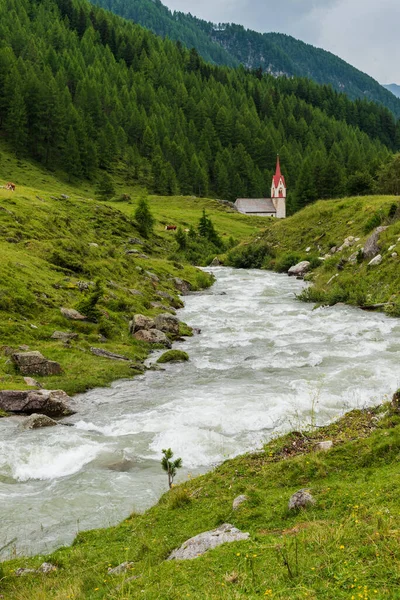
(276, 53)
(394, 88)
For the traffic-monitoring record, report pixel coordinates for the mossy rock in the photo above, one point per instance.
(173, 356)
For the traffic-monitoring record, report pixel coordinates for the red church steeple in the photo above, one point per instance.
(278, 175)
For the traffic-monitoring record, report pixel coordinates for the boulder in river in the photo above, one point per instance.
(53, 403)
(36, 421)
(140, 322)
(199, 544)
(300, 269)
(173, 356)
(34, 363)
(152, 336)
(167, 323)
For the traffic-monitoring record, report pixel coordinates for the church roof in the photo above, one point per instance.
(278, 175)
(255, 205)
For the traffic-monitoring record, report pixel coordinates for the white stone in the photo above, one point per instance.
(300, 269)
(238, 501)
(324, 446)
(199, 544)
(392, 248)
(394, 255)
(375, 261)
(308, 249)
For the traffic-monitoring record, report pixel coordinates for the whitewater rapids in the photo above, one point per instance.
(264, 363)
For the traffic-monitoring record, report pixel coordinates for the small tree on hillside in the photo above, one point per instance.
(170, 466)
(181, 238)
(105, 188)
(143, 217)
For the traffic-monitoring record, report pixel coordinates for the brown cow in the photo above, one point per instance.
(170, 228)
(10, 186)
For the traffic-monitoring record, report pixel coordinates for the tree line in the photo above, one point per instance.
(85, 91)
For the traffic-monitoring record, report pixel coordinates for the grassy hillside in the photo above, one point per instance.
(345, 547)
(322, 226)
(49, 244)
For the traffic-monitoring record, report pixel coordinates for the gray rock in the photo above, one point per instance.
(348, 242)
(24, 348)
(140, 322)
(135, 241)
(371, 247)
(300, 269)
(122, 568)
(215, 262)
(36, 421)
(199, 544)
(72, 314)
(182, 286)
(22, 572)
(135, 293)
(93, 245)
(46, 568)
(32, 382)
(301, 499)
(34, 363)
(153, 336)
(167, 323)
(107, 354)
(324, 446)
(64, 336)
(375, 261)
(53, 403)
(394, 255)
(238, 501)
(152, 276)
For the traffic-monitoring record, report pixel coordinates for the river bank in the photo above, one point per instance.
(264, 364)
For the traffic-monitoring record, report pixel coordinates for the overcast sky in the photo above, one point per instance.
(365, 33)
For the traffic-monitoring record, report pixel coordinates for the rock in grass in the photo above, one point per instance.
(238, 501)
(173, 356)
(324, 446)
(34, 363)
(301, 499)
(300, 269)
(152, 336)
(36, 421)
(72, 314)
(64, 336)
(122, 568)
(199, 544)
(53, 403)
(167, 323)
(140, 322)
(371, 247)
(375, 261)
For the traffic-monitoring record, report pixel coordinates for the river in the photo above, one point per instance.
(263, 364)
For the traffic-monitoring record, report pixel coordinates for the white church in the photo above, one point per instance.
(267, 207)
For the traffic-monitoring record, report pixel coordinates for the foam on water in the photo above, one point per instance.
(263, 363)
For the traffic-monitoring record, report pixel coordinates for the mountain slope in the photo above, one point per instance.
(84, 91)
(230, 44)
(394, 88)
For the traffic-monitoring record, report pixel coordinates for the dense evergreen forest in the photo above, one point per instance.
(230, 44)
(83, 90)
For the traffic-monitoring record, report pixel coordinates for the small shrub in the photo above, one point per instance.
(374, 221)
(251, 256)
(88, 306)
(179, 498)
(143, 217)
(287, 260)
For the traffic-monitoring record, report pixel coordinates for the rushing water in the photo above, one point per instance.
(263, 364)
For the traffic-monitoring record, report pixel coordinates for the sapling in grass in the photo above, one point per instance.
(170, 466)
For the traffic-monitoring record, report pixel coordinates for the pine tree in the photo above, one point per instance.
(72, 159)
(105, 188)
(143, 217)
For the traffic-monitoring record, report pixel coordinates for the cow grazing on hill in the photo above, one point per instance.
(170, 228)
(10, 186)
